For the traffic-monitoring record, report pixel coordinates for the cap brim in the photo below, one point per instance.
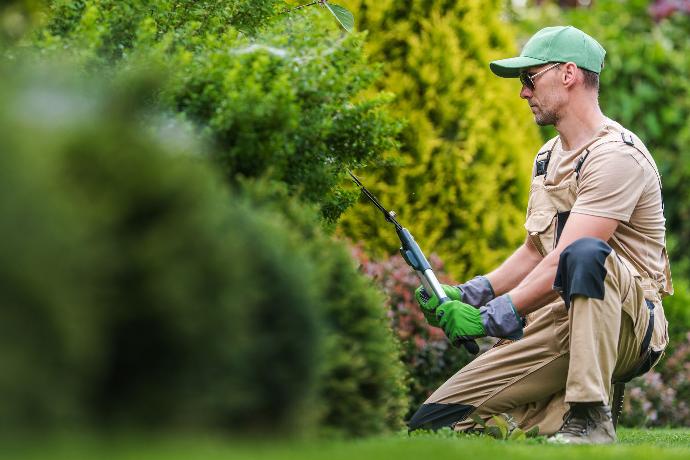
(511, 67)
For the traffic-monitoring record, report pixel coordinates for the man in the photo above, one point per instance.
(578, 305)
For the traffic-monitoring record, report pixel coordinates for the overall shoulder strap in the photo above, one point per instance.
(626, 138)
(542, 161)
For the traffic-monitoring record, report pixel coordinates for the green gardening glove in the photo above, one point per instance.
(429, 302)
(460, 321)
(498, 318)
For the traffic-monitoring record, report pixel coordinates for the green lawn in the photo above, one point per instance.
(635, 444)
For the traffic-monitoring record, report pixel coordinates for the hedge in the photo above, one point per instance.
(143, 293)
(280, 95)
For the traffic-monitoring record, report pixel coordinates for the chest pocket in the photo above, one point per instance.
(541, 229)
(549, 206)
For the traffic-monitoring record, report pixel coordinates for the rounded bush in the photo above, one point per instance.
(136, 289)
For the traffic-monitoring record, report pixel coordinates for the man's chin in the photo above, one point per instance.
(544, 121)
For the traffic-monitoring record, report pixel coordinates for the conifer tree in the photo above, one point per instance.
(462, 176)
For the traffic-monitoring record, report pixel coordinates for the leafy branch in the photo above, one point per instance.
(342, 14)
(505, 428)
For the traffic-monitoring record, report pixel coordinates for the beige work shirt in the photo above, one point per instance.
(618, 181)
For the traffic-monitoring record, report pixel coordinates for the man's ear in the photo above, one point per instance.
(570, 73)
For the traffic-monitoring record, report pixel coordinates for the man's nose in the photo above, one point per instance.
(525, 92)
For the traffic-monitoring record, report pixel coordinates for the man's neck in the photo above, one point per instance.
(580, 125)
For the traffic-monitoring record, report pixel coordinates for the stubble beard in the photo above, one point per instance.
(547, 118)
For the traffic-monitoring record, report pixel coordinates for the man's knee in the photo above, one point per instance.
(581, 269)
(433, 416)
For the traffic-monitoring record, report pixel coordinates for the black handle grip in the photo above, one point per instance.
(470, 345)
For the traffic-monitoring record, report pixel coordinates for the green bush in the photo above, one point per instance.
(283, 99)
(135, 290)
(145, 294)
(280, 99)
(362, 387)
(467, 149)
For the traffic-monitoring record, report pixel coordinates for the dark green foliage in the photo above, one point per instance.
(48, 341)
(362, 387)
(144, 294)
(134, 288)
(286, 101)
(280, 98)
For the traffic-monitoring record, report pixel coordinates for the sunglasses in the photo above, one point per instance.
(527, 79)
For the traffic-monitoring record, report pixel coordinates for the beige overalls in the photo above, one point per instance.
(566, 355)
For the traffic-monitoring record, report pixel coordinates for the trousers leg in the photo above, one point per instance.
(534, 378)
(504, 378)
(599, 290)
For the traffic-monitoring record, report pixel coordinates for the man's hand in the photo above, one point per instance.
(460, 321)
(475, 292)
(429, 302)
(498, 318)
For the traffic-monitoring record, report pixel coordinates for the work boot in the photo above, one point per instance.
(586, 424)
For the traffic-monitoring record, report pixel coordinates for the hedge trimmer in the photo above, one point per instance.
(414, 257)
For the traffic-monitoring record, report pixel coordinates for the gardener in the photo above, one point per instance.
(578, 305)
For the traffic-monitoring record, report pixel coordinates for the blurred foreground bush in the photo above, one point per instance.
(363, 380)
(137, 291)
(280, 95)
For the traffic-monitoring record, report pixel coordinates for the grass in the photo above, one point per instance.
(634, 445)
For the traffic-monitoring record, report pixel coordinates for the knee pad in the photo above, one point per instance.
(581, 269)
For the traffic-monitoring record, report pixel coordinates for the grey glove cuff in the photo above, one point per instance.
(501, 319)
(477, 291)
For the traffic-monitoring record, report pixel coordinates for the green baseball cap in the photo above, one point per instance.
(554, 44)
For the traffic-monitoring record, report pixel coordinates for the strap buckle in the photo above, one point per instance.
(629, 140)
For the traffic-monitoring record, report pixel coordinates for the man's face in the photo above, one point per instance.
(546, 98)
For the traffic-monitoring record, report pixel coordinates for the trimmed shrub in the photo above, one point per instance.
(145, 294)
(466, 153)
(280, 95)
(137, 292)
(280, 100)
(362, 385)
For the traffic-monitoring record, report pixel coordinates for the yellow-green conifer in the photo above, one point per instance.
(467, 150)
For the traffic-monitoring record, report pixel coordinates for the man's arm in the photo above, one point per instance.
(514, 269)
(536, 290)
